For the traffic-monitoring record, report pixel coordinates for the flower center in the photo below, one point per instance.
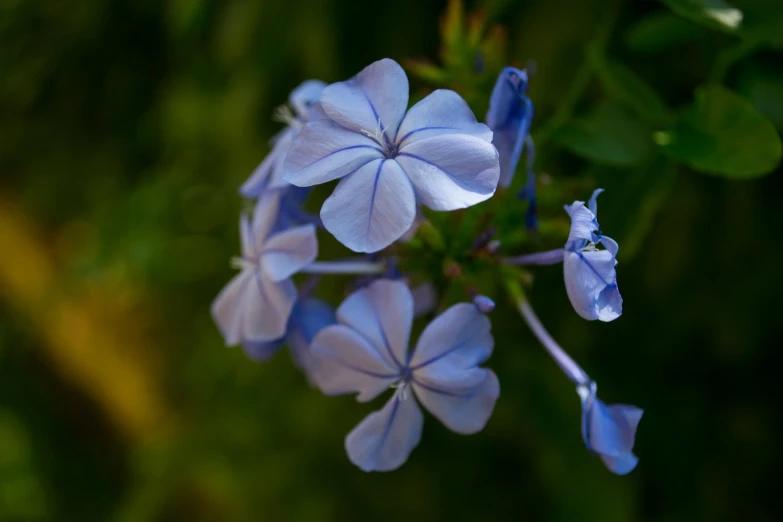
(389, 148)
(402, 385)
(241, 263)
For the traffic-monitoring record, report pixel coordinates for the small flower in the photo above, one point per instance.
(309, 316)
(269, 173)
(367, 352)
(510, 115)
(437, 154)
(590, 277)
(609, 431)
(256, 304)
(484, 304)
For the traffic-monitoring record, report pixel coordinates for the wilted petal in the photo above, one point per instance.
(451, 171)
(583, 224)
(383, 313)
(266, 308)
(227, 307)
(371, 208)
(345, 362)
(287, 252)
(611, 430)
(591, 284)
(442, 112)
(510, 115)
(269, 173)
(304, 96)
(378, 95)
(460, 336)
(384, 439)
(324, 151)
(464, 410)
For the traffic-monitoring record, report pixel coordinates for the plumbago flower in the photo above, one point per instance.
(387, 159)
(590, 277)
(367, 352)
(256, 305)
(510, 115)
(269, 173)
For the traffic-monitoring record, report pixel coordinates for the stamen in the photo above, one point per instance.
(284, 114)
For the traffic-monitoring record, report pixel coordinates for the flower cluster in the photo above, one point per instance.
(391, 161)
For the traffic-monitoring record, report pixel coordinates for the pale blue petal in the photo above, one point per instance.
(611, 245)
(309, 317)
(591, 284)
(264, 218)
(246, 238)
(269, 174)
(345, 362)
(451, 171)
(442, 112)
(583, 224)
(266, 308)
(611, 429)
(287, 252)
(620, 464)
(510, 115)
(324, 151)
(383, 313)
(425, 298)
(379, 93)
(462, 410)
(371, 208)
(262, 351)
(227, 307)
(593, 203)
(304, 96)
(460, 336)
(384, 439)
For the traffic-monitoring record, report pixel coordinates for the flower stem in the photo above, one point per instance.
(549, 257)
(572, 370)
(348, 267)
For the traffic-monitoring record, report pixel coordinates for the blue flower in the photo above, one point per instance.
(590, 277)
(309, 316)
(256, 304)
(510, 115)
(437, 154)
(269, 173)
(609, 431)
(367, 352)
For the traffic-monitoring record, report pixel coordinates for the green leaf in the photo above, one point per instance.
(722, 134)
(716, 14)
(608, 136)
(628, 88)
(661, 31)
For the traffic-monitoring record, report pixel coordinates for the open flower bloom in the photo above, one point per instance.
(437, 154)
(269, 173)
(256, 304)
(590, 277)
(309, 316)
(609, 431)
(367, 352)
(510, 115)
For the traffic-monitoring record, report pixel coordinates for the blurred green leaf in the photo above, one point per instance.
(660, 31)
(629, 89)
(721, 133)
(763, 20)
(764, 89)
(608, 136)
(716, 14)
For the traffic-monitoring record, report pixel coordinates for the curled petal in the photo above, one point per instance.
(610, 431)
(460, 337)
(345, 362)
(442, 112)
(451, 171)
(324, 151)
(371, 208)
(304, 96)
(383, 313)
(510, 115)
(462, 410)
(591, 284)
(583, 224)
(287, 252)
(385, 438)
(376, 97)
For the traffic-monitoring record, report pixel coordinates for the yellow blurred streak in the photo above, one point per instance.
(91, 338)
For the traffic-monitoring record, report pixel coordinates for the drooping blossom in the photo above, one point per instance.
(590, 276)
(303, 107)
(256, 303)
(609, 431)
(387, 159)
(510, 115)
(366, 352)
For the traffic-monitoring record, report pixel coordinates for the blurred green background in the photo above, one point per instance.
(126, 128)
